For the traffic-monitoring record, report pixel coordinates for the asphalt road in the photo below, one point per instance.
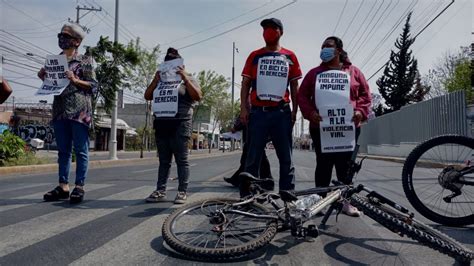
(114, 226)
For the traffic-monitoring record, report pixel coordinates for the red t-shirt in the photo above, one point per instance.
(251, 70)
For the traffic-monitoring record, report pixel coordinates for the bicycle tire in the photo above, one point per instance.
(409, 189)
(216, 254)
(416, 230)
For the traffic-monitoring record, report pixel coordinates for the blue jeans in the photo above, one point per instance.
(69, 132)
(277, 125)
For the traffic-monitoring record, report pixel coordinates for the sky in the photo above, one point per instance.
(368, 29)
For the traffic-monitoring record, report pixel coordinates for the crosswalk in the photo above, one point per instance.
(114, 226)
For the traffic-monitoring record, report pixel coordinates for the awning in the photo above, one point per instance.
(105, 122)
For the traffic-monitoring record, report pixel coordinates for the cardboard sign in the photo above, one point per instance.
(55, 80)
(332, 98)
(272, 77)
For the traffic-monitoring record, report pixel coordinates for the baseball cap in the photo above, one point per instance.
(272, 22)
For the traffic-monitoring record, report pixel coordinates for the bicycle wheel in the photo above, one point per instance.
(199, 231)
(429, 177)
(413, 229)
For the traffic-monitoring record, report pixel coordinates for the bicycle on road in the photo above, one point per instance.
(438, 179)
(221, 229)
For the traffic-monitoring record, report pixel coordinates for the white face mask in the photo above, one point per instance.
(327, 54)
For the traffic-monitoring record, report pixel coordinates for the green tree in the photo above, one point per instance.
(461, 79)
(112, 58)
(214, 96)
(139, 77)
(398, 79)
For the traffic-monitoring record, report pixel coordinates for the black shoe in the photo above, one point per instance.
(232, 181)
(56, 194)
(77, 195)
(268, 185)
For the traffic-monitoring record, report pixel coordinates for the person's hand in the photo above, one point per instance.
(71, 76)
(42, 73)
(293, 117)
(357, 118)
(244, 115)
(315, 118)
(182, 73)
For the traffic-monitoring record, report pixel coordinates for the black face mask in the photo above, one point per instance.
(65, 42)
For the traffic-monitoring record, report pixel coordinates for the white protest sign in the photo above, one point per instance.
(55, 80)
(272, 77)
(332, 98)
(165, 95)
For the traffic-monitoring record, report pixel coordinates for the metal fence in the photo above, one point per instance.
(416, 123)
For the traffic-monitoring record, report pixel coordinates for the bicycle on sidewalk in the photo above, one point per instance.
(222, 229)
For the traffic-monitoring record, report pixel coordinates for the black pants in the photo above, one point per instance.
(265, 171)
(326, 161)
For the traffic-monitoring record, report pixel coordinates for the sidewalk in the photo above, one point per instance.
(100, 160)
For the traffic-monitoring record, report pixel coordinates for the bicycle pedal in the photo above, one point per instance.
(312, 231)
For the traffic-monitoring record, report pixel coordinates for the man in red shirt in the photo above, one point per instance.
(267, 73)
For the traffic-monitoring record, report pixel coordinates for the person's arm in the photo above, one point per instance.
(192, 87)
(149, 90)
(306, 98)
(294, 99)
(5, 91)
(42, 73)
(83, 84)
(244, 96)
(364, 99)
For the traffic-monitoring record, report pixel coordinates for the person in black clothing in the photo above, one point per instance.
(265, 172)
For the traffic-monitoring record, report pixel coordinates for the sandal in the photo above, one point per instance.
(77, 195)
(56, 194)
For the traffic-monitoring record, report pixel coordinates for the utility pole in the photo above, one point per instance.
(232, 145)
(78, 15)
(113, 123)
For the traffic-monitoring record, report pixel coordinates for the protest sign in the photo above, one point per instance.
(332, 98)
(55, 80)
(272, 77)
(165, 96)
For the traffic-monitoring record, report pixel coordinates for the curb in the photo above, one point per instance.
(383, 158)
(47, 168)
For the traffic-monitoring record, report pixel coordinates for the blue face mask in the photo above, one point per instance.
(327, 54)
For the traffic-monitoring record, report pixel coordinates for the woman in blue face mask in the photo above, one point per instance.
(335, 98)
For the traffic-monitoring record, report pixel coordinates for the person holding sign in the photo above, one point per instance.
(335, 98)
(5, 90)
(267, 73)
(173, 93)
(72, 110)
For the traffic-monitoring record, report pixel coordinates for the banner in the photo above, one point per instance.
(272, 77)
(165, 96)
(332, 98)
(55, 80)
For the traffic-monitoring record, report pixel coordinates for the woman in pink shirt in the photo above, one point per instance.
(333, 58)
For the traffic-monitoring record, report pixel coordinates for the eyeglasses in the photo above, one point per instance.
(65, 35)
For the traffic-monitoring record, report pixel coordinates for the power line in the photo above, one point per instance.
(19, 45)
(370, 22)
(372, 29)
(218, 24)
(340, 16)
(26, 14)
(352, 20)
(439, 14)
(371, 55)
(37, 28)
(12, 62)
(26, 85)
(238, 27)
(48, 52)
(363, 22)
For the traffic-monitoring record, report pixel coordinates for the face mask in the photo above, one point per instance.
(65, 42)
(270, 35)
(327, 54)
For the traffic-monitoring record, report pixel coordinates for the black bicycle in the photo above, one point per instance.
(438, 179)
(226, 228)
